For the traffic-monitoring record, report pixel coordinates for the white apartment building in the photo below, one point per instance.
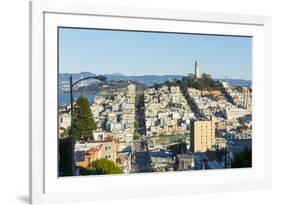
(233, 112)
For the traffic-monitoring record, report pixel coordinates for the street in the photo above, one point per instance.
(141, 158)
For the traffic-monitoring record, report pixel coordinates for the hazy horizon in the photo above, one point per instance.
(147, 75)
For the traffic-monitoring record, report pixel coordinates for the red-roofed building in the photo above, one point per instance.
(91, 155)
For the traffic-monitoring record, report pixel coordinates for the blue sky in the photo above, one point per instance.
(141, 53)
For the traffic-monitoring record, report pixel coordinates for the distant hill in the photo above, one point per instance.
(237, 82)
(147, 80)
(111, 86)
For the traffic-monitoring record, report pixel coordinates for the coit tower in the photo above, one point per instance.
(197, 73)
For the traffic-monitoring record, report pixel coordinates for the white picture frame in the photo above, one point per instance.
(46, 187)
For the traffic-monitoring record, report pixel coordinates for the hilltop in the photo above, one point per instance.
(110, 87)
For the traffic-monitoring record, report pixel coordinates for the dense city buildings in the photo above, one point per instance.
(167, 111)
(190, 124)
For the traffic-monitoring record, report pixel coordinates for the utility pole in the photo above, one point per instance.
(71, 127)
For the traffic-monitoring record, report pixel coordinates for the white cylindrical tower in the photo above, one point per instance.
(197, 72)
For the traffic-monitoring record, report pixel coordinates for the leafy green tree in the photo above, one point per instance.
(242, 159)
(136, 137)
(204, 83)
(136, 125)
(100, 167)
(137, 100)
(83, 121)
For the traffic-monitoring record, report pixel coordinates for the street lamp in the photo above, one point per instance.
(71, 86)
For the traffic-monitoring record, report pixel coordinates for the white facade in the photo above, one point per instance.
(197, 72)
(64, 120)
(234, 112)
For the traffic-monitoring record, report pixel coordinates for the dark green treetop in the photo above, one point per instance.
(83, 121)
(242, 159)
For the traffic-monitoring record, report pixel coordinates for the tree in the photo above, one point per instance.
(136, 125)
(242, 159)
(206, 76)
(83, 121)
(136, 137)
(102, 166)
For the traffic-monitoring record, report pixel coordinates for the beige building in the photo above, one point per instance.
(108, 151)
(202, 135)
(131, 89)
